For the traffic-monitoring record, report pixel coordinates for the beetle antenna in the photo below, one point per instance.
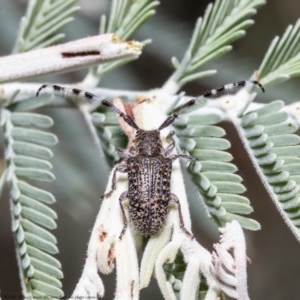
(230, 88)
(173, 117)
(84, 96)
(125, 117)
(214, 93)
(88, 97)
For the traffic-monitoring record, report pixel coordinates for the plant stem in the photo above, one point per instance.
(67, 57)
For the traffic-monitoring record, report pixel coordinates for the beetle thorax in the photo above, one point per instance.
(148, 143)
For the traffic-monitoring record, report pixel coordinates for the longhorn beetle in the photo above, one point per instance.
(148, 165)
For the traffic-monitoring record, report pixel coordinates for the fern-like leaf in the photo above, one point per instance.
(223, 22)
(269, 137)
(126, 17)
(282, 60)
(43, 19)
(27, 154)
(213, 173)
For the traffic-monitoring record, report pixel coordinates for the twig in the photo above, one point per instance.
(67, 57)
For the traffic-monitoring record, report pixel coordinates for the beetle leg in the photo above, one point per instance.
(120, 168)
(122, 198)
(171, 146)
(125, 154)
(176, 200)
(190, 158)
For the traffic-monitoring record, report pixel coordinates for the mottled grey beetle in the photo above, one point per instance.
(149, 166)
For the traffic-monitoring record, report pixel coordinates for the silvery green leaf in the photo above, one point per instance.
(228, 187)
(31, 119)
(285, 128)
(219, 176)
(36, 193)
(31, 162)
(34, 174)
(44, 277)
(234, 198)
(206, 154)
(47, 259)
(245, 222)
(212, 143)
(218, 166)
(34, 136)
(237, 208)
(30, 103)
(47, 268)
(38, 206)
(29, 149)
(38, 218)
(40, 243)
(48, 289)
(38, 231)
(201, 130)
(283, 140)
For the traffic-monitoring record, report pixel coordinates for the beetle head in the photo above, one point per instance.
(148, 143)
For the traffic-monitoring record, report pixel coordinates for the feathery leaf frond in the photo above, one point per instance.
(282, 60)
(26, 155)
(274, 150)
(126, 17)
(43, 19)
(223, 23)
(213, 173)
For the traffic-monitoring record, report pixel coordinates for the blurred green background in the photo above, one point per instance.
(81, 174)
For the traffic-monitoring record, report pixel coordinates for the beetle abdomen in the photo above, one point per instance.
(149, 192)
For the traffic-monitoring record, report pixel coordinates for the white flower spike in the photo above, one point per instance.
(229, 262)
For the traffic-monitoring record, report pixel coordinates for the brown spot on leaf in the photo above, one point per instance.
(102, 236)
(111, 255)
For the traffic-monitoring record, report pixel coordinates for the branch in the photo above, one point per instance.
(67, 57)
